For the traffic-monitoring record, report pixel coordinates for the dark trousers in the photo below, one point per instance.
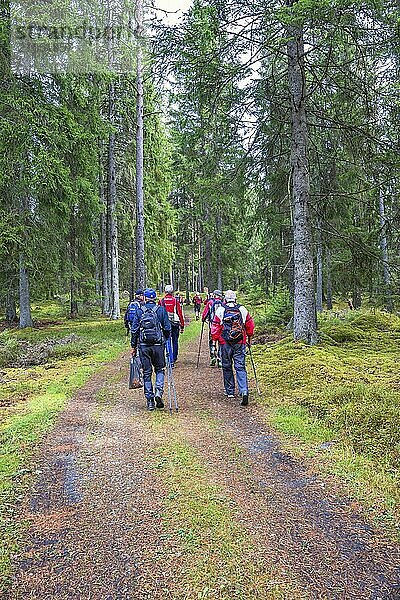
(235, 354)
(153, 357)
(174, 339)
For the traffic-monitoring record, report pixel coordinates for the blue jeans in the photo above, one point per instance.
(153, 357)
(174, 339)
(236, 354)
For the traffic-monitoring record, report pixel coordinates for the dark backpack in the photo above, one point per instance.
(150, 327)
(232, 325)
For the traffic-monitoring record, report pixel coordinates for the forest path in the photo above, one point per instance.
(104, 518)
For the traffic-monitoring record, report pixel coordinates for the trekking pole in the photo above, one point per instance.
(254, 368)
(171, 382)
(169, 385)
(201, 339)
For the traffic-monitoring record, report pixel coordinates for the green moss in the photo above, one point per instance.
(347, 391)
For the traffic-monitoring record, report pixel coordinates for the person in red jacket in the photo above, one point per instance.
(175, 314)
(231, 327)
(208, 315)
(197, 302)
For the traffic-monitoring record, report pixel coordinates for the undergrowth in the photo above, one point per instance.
(346, 391)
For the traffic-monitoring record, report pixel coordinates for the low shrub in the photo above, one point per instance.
(277, 311)
(342, 332)
(375, 321)
(10, 350)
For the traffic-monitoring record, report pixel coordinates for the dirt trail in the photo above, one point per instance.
(95, 512)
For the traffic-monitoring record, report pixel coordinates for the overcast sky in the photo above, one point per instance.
(173, 5)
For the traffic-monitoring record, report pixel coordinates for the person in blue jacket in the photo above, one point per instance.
(150, 329)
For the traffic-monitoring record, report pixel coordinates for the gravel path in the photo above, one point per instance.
(95, 511)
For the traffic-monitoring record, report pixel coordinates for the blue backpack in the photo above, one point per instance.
(131, 311)
(216, 303)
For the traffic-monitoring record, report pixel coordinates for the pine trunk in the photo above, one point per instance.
(140, 232)
(329, 301)
(385, 253)
(11, 309)
(104, 266)
(115, 312)
(304, 319)
(25, 319)
(319, 299)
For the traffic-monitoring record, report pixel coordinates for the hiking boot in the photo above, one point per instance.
(219, 363)
(150, 404)
(213, 361)
(159, 402)
(245, 400)
(230, 396)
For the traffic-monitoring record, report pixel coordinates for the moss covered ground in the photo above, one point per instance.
(339, 401)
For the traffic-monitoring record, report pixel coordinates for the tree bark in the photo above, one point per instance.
(304, 318)
(329, 302)
(97, 258)
(105, 290)
(25, 318)
(113, 231)
(140, 225)
(111, 214)
(11, 309)
(73, 266)
(319, 299)
(385, 253)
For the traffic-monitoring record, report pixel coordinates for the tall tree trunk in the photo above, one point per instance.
(105, 290)
(319, 267)
(11, 309)
(97, 258)
(219, 252)
(140, 232)
(329, 302)
(113, 231)
(200, 277)
(73, 266)
(25, 319)
(356, 300)
(208, 260)
(187, 295)
(305, 318)
(132, 271)
(385, 253)
(115, 312)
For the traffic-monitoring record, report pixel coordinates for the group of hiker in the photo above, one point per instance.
(155, 327)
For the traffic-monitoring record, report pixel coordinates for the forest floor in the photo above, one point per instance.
(203, 503)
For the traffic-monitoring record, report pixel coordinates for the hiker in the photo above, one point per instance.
(175, 315)
(197, 302)
(132, 308)
(150, 329)
(136, 376)
(231, 327)
(208, 316)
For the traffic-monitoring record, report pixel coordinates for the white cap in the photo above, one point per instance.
(230, 296)
(169, 289)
